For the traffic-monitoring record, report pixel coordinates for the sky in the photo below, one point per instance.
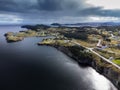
(58, 11)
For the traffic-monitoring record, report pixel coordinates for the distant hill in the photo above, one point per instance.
(95, 24)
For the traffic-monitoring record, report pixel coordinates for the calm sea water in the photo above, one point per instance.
(26, 66)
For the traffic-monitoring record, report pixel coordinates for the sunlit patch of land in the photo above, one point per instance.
(116, 61)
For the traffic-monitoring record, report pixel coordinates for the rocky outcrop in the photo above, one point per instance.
(109, 71)
(85, 56)
(15, 37)
(10, 37)
(100, 65)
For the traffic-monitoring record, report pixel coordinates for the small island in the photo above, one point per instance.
(32, 31)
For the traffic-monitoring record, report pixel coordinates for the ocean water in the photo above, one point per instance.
(26, 66)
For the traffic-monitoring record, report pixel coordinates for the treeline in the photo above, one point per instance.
(109, 28)
(36, 27)
(82, 36)
(81, 55)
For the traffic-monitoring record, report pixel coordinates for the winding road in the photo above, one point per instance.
(91, 49)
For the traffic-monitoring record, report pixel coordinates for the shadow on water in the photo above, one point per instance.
(26, 66)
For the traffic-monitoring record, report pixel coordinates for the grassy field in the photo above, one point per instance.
(105, 53)
(86, 43)
(57, 42)
(117, 61)
(115, 50)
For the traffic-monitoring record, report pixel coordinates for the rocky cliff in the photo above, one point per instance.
(100, 65)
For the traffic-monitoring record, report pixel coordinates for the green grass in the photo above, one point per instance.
(105, 53)
(117, 61)
(56, 42)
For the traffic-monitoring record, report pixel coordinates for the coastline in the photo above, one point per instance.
(107, 70)
(78, 53)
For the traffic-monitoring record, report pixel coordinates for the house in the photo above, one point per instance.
(101, 46)
(113, 36)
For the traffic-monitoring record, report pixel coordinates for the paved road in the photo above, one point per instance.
(107, 60)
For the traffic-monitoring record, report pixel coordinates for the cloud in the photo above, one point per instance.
(39, 11)
(106, 4)
(100, 19)
(12, 19)
(99, 11)
(40, 5)
(58, 5)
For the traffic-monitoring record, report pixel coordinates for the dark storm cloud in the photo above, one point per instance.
(50, 5)
(53, 9)
(40, 5)
(58, 5)
(73, 6)
(15, 5)
(7, 5)
(99, 11)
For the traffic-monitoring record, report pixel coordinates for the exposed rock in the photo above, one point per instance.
(13, 39)
(10, 37)
(9, 34)
(107, 69)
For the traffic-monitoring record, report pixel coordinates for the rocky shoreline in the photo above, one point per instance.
(19, 36)
(90, 59)
(10, 37)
